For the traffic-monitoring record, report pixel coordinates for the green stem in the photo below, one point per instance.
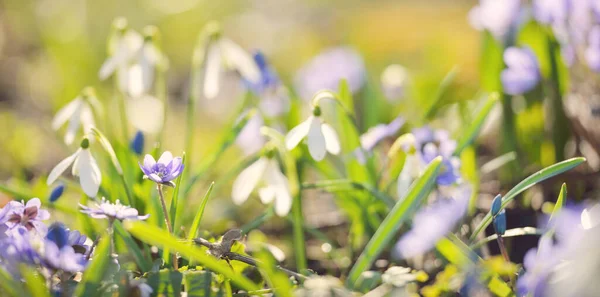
(300, 252)
(560, 130)
(332, 185)
(159, 187)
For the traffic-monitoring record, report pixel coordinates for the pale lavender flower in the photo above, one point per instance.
(432, 143)
(28, 215)
(107, 210)
(274, 98)
(326, 70)
(59, 253)
(17, 249)
(496, 16)
(550, 11)
(431, 223)
(250, 140)
(164, 170)
(62, 236)
(380, 132)
(522, 73)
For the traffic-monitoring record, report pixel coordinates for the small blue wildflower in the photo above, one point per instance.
(432, 143)
(137, 143)
(431, 223)
(496, 204)
(56, 192)
(166, 169)
(107, 210)
(522, 73)
(28, 215)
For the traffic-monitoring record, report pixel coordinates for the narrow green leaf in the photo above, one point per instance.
(276, 278)
(346, 185)
(109, 149)
(560, 202)
(401, 212)
(143, 263)
(196, 223)
(474, 128)
(95, 272)
(533, 179)
(175, 198)
(439, 94)
(10, 286)
(34, 282)
(509, 233)
(155, 236)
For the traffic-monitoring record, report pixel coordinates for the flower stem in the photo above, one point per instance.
(159, 188)
(503, 248)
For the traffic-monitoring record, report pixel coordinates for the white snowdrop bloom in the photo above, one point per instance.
(272, 183)
(84, 166)
(321, 137)
(224, 54)
(126, 45)
(77, 112)
(393, 81)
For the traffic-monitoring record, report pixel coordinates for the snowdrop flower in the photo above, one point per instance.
(522, 73)
(164, 171)
(107, 210)
(394, 79)
(325, 71)
(78, 113)
(321, 137)
(431, 223)
(218, 52)
(496, 16)
(84, 166)
(272, 183)
(28, 215)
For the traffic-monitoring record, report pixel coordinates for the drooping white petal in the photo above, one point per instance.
(87, 118)
(89, 173)
(278, 182)
(146, 113)
(298, 133)
(61, 167)
(240, 60)
(404, 180)
(123, 78)
(135, 84)
(332, 142)
(213, 71)
(247, 180)
(108, 67)
(148, 60)
(316, 140)
(266, 194)
(65, 113)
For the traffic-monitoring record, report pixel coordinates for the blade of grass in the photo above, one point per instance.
(397, 216)
(143, 263)
(156, 236)
(560, 201)
(345, 184)
(474, 128)
(175, 198)
(509, 233)
(196, 223)
(444, 84)
(533, 179)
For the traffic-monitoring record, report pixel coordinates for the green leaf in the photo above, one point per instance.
(175, 198)
(34, 282)
(401, 212)
(198, 283)
(491, 63)
(10, 286)
(95, 272)
(143, 262)
(196, 223)
(444, 84)
(276, 278)
(348, 185)
(165, 282)
(509, 233)
(155, 236)
(109, 149)
(474, 128)
(560, 202)
(533, 179)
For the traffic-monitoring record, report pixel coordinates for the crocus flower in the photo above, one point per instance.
(522, 73)
(272, 183)
(107, 210)
(430, 224)
(221, 51)
(325, 71)
(28, 215)
(84, 166)
(380, 132)
(496, 16)
(321, 137)
(394, 79)
(78, 113)
(164, 171)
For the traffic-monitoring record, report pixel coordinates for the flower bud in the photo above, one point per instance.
(56, 192)
(500, 223)
(137, 143)
(496, 205)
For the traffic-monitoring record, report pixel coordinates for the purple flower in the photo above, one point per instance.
(250, 140)
(166, 169)
(377, 133)
(538, 264)
(550, 11)
(325, 71)
(28, 215)
(106, 209)
(496, 16)
(56, 192)
(522, 73)
(432, 143)
(274, 98)
(137, 143)
(431, 223)
(63, 258)
(62, 236)
(592, 52)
